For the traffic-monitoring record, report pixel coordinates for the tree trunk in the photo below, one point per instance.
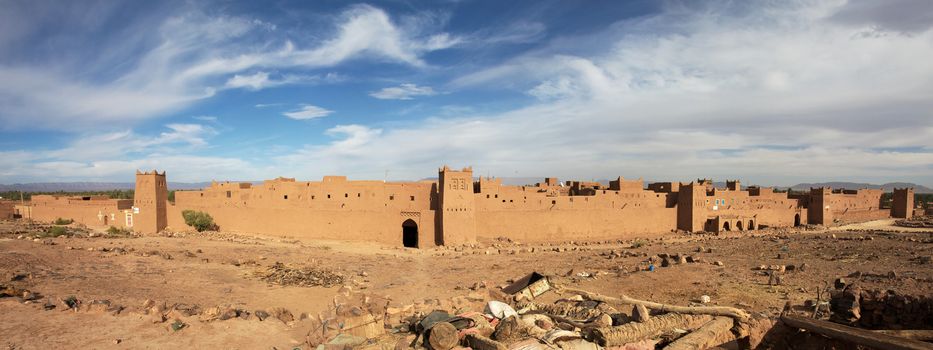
(653, 327)
(709, 335)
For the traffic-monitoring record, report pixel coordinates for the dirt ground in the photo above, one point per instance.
(211, 269)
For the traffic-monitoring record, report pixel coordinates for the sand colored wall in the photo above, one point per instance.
(6, 209)
(455, 209)
(333, 208)
(539, 213)
(98, 211)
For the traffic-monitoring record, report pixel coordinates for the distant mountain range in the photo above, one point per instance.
(93, 186)
(888, 187)
(510, 181)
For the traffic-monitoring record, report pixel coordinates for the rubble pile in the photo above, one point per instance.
(916, 222)
(881, 309)
(514, 317)
(303, 276)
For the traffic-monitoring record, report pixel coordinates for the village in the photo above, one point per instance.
(761, 277)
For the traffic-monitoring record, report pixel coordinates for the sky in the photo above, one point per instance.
(768, 92)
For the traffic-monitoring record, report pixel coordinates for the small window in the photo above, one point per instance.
(285, 197)
(487, 196)
(510, 201)
(228, 194)
(346, 195)
(328, 196)
(503, 201)
(553, 202)
(202, 194)
(312, 197)
(497, 196)
(391, 198)
(358, 195)
(412, 198)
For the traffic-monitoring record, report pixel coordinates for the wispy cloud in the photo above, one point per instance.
(194, 55)
(307, 112)
(403, 92)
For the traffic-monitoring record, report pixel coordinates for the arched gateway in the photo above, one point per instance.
(410, 234)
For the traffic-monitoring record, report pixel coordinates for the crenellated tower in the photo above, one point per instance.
(457, 210)
(151, 199)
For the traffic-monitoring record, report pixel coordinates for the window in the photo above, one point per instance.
(553, 202)
(358, 195)
(312, 197)
(228, 194)
(285, 197)
(391, 198)
(346, 195)
(328, 196)
(412, 198)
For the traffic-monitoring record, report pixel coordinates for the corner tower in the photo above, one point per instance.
(150, 199)
(457, 210)
(902, 205)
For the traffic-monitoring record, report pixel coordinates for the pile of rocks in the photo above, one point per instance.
(881, 309)
(298, 275)
(916, 222)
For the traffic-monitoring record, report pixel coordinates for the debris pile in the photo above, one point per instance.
(881, 309)
(296, 275)
(514, 317)
(916, 222)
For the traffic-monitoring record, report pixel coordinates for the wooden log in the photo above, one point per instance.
(478, 342)
(443, 336)
(915, 334)
(853, 335)
(711, 334)
(738, 314)
(653, 327)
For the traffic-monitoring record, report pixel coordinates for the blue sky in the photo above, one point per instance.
(771, 92)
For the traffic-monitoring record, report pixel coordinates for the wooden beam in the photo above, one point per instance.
(853, 335)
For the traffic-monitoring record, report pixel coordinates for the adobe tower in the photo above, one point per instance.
(150, 199)
(458, 225)
(819, 211)
(902, 205)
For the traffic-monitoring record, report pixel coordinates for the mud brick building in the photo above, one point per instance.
(457, 208)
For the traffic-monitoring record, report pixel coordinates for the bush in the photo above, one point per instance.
(201, 221)
(115, 231)
(56, 231)
(61, 221)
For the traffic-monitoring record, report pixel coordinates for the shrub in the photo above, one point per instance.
(115, 231)
(201, 221)
(56, 231)
(61, 221)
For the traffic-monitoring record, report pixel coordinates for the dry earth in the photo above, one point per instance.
(213, 269)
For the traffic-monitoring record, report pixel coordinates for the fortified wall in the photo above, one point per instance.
(458, 209)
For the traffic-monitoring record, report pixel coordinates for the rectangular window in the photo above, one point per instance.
(412, 198)
(228, 194)
(391, 198)
(285, 197)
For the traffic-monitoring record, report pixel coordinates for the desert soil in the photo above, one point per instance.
(214, 269)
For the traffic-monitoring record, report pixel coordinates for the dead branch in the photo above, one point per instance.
(738, 314)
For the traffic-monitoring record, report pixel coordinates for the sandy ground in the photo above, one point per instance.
(218, 270)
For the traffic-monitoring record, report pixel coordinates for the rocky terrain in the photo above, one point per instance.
(87, 289)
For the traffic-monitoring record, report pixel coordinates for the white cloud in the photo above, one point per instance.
(771, 94)
(403, 92)
(206, 118)
(308, 112)
(193, 56)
